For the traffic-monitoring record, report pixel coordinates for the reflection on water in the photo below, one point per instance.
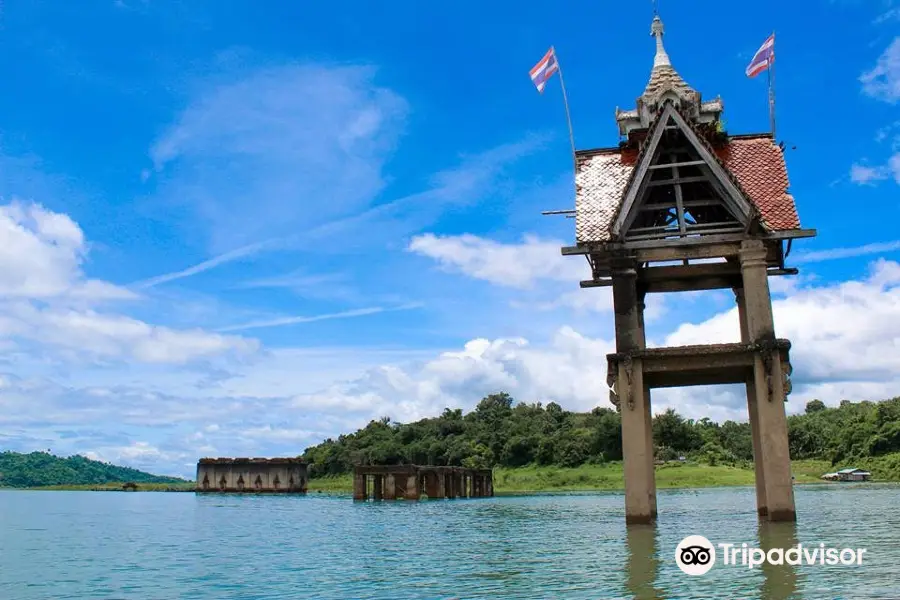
(779, 581)
(643, 562)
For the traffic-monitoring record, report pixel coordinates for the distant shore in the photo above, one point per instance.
(524, 480)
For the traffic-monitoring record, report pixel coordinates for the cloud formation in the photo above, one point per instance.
(48, 305)
(301, 145)
(883, 80)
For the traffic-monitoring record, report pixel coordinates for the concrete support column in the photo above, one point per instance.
(412, 487)
(359, 486)
(648, 411)
(390, 489)
(753, 412)
(637, 434)
(769, 384)
(378, 487)
(489, 492)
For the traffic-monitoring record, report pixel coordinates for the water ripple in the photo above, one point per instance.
(155, 545)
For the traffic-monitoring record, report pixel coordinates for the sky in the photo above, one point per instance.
(236, 230)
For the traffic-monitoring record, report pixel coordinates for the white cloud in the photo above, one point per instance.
(41, 255)
(295, 320)
(513, 265)
(867, 175)
(837, 253)
(302, 145)
(46, 299)
(846, 344)
(883, 80)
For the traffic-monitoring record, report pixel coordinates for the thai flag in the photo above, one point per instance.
(764, 57)
(544, 70)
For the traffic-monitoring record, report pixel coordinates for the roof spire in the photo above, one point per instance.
(657, 30)
(665, 84)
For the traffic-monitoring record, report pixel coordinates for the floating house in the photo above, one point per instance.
(848, 475)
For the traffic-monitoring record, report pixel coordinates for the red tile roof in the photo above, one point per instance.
(755, 162)
(758, 164)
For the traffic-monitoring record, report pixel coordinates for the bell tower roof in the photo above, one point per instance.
(666, 83)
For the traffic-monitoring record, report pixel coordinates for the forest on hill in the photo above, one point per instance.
(501, 433)
(38, 469)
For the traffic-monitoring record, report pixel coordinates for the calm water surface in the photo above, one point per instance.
(176, 545)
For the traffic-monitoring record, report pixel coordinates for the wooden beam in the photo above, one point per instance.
(792, 234)
(685, 203)
(693, 285)
(720, 269)
(690, 163)
(595, 283)
(709, 240)
(674, 180)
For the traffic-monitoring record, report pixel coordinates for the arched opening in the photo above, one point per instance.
(431, 484)
(205, 482)
(223, 483)
(258, 482)
(276, 483)
(240, 482)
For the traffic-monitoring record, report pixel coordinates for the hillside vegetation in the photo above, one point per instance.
(505, 435)
(39, 469)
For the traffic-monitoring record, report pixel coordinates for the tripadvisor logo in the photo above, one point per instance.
(696, 555)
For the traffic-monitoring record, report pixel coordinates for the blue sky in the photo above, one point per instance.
(229, 230)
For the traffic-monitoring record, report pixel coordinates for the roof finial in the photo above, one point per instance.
(657, 31)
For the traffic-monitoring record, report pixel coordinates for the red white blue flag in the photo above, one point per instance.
(544, 70)
(763, 58)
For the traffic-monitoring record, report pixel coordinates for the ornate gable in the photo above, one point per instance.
(678, 188)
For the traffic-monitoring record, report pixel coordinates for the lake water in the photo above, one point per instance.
(179, 545)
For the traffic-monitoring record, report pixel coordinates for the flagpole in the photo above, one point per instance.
(771, 77)
(562, 84)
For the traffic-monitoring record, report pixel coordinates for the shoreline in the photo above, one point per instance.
(533, 480)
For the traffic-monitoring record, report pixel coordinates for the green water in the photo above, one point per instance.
(158, 545)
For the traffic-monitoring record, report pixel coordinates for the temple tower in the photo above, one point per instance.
(681, 205)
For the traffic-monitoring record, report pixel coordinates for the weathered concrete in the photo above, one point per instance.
(768, 380)
(752, 411)
(252, 475)
(637, 435)
(395, 482)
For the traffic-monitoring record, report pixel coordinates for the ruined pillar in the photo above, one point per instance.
(390, 490)
(753, 412)
(359, 486)
(412, 486)
(769, 384)
(377, 487)
(465, 484)
(637, 434)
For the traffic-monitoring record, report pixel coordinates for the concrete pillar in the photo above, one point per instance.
(637, 434)
(390, 490)
(753, 412)
(489, 485)
(412, 487)
(359, 486)
(648, 411)
(378, 487)
(465, 485)
(769, 385)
